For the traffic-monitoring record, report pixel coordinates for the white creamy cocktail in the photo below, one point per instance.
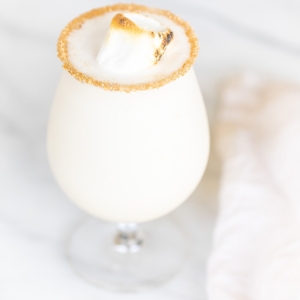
(128, 136)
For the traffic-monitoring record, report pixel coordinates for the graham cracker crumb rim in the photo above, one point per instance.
(62, 48)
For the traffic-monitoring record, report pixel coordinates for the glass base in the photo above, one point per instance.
(125, 257)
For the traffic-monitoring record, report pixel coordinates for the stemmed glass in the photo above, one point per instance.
(128, 158)
(127, 151)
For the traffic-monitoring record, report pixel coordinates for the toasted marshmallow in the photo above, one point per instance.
(134, 42)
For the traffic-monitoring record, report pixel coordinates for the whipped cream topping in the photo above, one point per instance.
(134, 42)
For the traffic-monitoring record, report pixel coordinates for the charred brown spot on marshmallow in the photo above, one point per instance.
(170, 36)
(166, 40)
(119, 21)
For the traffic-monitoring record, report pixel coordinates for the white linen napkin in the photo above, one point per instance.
(256, 251)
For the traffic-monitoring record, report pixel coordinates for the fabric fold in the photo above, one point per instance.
(257, 236)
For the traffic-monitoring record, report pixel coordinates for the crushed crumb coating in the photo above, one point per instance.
(62, 48)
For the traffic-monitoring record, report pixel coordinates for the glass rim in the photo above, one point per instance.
(62, 48)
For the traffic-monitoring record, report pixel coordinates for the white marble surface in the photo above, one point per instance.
(35, 216)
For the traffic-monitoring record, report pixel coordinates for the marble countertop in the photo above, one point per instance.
(35, 216)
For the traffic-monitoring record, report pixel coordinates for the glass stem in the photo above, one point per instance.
(128, 238)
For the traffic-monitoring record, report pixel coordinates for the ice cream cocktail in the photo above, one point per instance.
(128, 137)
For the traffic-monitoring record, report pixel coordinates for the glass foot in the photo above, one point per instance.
(126, 257)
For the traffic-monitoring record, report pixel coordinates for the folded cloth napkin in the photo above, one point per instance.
(256, 248)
